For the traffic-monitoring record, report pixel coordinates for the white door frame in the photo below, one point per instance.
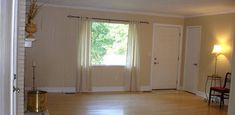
(186, 41)
(178, 87)
(10, 11)
(14, 45)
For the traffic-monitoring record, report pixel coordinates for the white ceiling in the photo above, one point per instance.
(167, 7)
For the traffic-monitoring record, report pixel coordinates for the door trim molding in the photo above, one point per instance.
(186, 42)
(178, 87)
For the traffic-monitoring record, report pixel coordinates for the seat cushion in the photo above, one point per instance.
(220, 89)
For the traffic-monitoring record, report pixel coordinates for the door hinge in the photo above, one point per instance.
(178, 58)
(16, 89)
(14, 77)
(179, 34)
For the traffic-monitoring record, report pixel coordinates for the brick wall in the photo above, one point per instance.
(20, 56)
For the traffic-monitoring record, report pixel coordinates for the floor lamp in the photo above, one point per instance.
(217, 50)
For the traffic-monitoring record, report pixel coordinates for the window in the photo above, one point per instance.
(109, 43)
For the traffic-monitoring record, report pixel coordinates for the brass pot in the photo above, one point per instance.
(37, 101)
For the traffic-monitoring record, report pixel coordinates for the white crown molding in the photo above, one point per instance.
(139, 13)
(115, 11)
(211, 14)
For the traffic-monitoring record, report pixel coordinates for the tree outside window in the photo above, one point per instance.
(109, 43)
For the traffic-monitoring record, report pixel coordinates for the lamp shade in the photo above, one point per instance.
(217, 49)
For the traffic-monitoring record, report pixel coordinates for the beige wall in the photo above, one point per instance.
(54, 51)
(55, 48)
(217, 29)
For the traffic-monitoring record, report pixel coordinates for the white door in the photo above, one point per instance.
(164, 71)
(192, 55)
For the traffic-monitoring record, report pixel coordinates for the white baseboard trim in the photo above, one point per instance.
(226, 101)
(180, 88)
(94, 89)
(54, 89)
(145, 88)
(117, 88)
(201, 94)
(108, 89)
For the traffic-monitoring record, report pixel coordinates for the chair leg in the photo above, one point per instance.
(209, 101)
(221, 99)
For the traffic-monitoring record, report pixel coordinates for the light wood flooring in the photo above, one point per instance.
(123, 103)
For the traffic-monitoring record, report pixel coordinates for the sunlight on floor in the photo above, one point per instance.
(106, 112)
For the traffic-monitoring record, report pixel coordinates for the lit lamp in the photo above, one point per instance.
(217, 50)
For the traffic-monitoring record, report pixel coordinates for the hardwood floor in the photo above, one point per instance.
(144, 103)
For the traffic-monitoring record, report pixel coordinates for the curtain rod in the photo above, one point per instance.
(71, 16)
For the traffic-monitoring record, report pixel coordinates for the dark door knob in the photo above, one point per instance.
(195, 64)
(156, 63)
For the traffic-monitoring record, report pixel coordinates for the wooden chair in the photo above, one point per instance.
(221, 92)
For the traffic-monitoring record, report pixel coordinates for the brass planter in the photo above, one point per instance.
(37, 101)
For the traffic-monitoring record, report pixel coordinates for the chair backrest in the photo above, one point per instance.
(227, 80)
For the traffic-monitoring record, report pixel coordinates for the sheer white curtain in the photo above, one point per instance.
(133, 58)
(83, 83)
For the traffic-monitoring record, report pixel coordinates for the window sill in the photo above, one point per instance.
(112, 66)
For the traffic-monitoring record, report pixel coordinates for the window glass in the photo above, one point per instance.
(109, 43)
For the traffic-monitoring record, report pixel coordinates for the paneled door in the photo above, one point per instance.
(192, 56)
(165, 54)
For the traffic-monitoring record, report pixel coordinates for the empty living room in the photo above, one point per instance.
(117, 57)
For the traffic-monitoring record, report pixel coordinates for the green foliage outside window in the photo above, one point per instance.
(108, 39)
